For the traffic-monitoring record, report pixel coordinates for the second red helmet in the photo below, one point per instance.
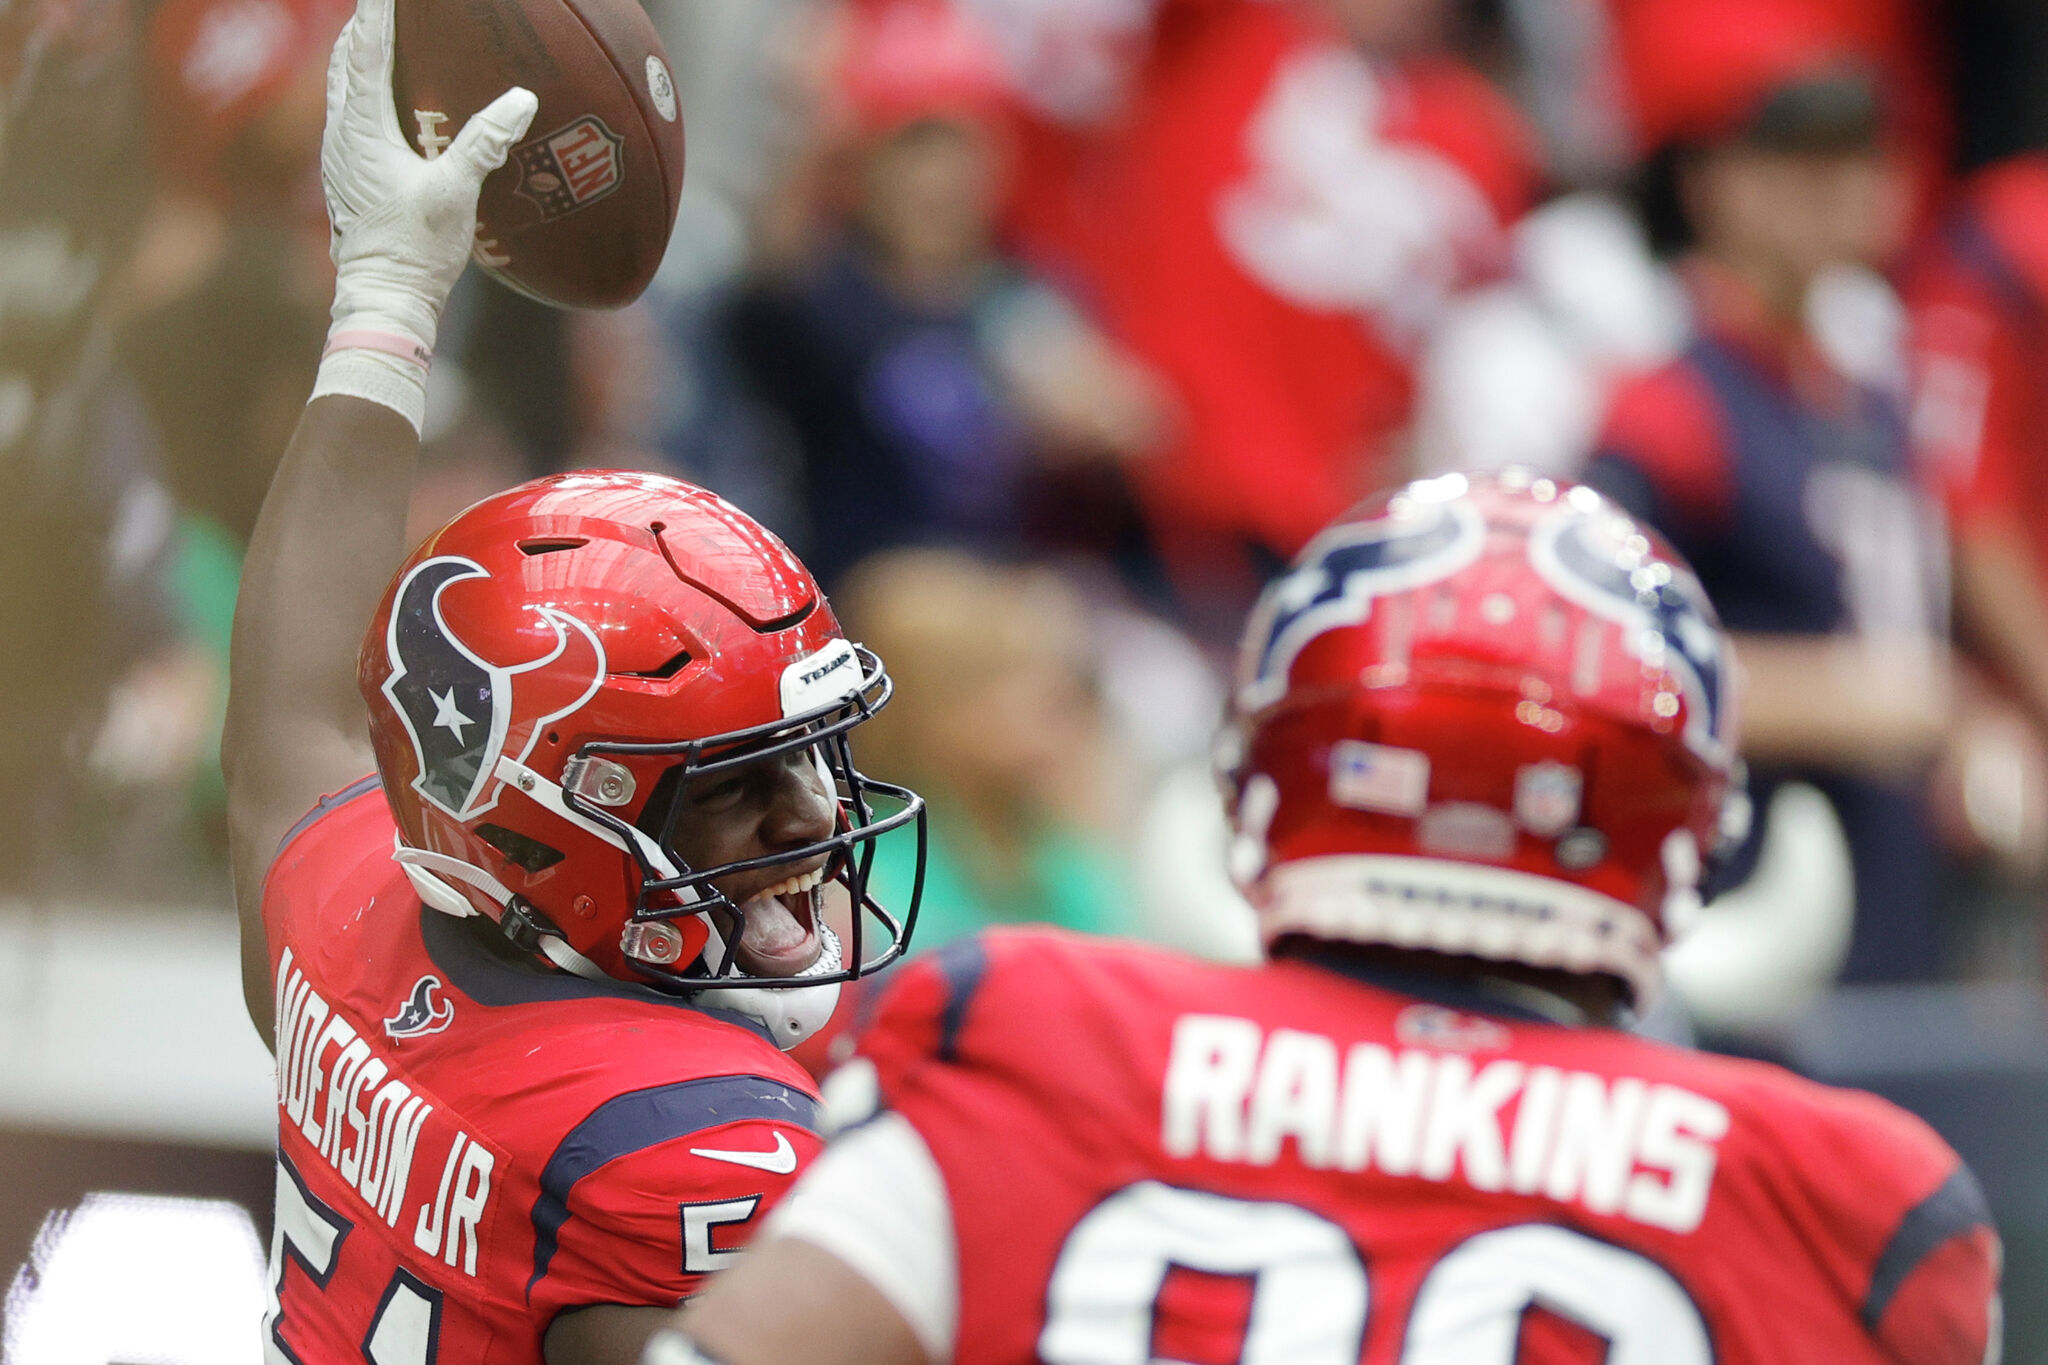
(1484, 716)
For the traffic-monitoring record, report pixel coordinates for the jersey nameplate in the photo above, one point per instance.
(353, 1106)
(1617, 1146)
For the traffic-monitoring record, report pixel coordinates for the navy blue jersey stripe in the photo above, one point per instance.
(1955, 1208)
(1471, 996)
(640, 1119)
(962, 964)
(328, 803)
(453, 945)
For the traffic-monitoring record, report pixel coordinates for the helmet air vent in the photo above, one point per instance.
(735, 562)
(663, 672)
(795, 618)
(548, 545)
(522, 851)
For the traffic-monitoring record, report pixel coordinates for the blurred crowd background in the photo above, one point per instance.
(1046, 331)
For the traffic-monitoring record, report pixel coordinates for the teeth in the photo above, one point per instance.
(796, 884)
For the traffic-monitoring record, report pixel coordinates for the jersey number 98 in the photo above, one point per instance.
(1311, 1296)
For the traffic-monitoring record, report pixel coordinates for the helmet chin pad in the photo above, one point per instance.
(790, 1012)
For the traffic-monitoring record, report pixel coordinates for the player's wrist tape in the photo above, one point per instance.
(391, 380)
(391, 343)
(670, 1347)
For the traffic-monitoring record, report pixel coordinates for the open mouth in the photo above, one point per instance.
(779, 926)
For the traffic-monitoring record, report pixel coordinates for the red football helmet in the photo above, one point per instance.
(1486, 716)
(545, 674)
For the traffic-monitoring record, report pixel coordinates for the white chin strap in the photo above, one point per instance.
(789, 1014)
(430, 874)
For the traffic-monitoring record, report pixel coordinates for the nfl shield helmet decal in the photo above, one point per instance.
(1337, 577)
(464, 712)
(1547, 797)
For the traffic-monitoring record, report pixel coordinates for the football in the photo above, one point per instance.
(580, 213)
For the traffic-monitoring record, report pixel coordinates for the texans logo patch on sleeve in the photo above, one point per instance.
(424, 1011)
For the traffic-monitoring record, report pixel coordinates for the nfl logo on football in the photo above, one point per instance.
(570, 168)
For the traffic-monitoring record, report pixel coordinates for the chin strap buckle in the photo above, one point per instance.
(531, 931)
(526, 926)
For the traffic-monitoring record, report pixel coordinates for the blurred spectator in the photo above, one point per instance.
(923, 376)
(1774, 451)
(162, 268)
(1270, 204)
(996, 720)
(221, 312)
(514, 371)
(227, 292)
(238, 92)
(82, 544)
(1570, 84)
(233, 87)
(1520, 372)
(221, 365)
(1979, 293)
(1979, 296)
(521, 389)
(620, 366)
(1687, 67)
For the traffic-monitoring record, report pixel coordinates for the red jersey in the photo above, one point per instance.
(1150, 1157)
(1271, 225)
(468, 1145)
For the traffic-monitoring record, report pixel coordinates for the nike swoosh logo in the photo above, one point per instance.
(781, 1161)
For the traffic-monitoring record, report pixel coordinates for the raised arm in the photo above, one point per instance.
(333, 524)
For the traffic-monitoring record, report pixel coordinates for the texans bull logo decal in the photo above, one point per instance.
(1670, 624)
(464, 713)
(1337, 577)
(423, 1012)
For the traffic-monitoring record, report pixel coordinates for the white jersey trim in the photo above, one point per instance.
(875, 1199)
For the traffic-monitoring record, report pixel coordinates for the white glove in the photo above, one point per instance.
(402, 225)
